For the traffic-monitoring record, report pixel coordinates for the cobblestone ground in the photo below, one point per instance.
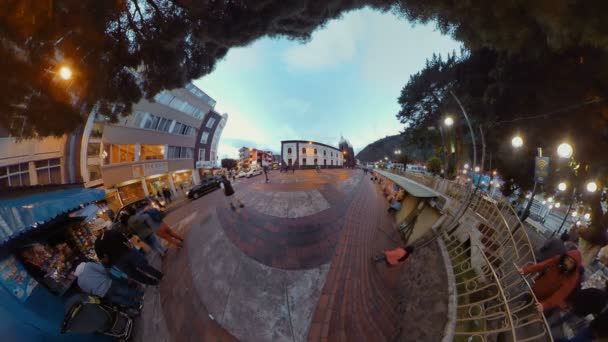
(299, 271)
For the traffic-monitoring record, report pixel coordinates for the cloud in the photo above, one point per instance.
(293, 106)
(330, 46)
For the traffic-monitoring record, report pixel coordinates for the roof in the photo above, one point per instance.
(22, 214)
(413, 188)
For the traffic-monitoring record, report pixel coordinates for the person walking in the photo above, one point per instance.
(113, 249)
(167, 195)
(233, 173)
(141, 225)
(229, 191)
(95, 279)
(266, 173)
(293, 169)
(559, 277)
(161, 229)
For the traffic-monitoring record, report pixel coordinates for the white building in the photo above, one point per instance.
(308, 154)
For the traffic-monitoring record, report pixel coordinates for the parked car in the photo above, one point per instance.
(207, 185)
(254, 172)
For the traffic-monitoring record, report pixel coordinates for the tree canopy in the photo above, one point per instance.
(123, 50)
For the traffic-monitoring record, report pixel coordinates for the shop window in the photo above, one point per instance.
(204, 137)
(122, 153)
(131, 192)
(93, 150)
(48, 171)
(152, 152)
(303, 161)
(289, 150)
(14, 175)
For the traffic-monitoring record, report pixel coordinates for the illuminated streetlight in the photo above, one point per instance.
(550, 199)
(477, 169)
(385, 158)
(578, 223)
(65, 72)
(557, 205)
(448, 121)
(564, 150)
(551, 207)
(592, 186)
(494, 173)
(587, 216)
(544, 202)
(517, 141)
(574, 213)
(562, 186)
(466, 166)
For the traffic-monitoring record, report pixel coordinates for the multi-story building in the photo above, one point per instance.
(254, 158)
(37, 161)
(165, 143)
(309, 154)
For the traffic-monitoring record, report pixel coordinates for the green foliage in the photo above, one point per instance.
(433, 165)
(228, 163)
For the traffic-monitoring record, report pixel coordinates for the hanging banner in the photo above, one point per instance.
(15, 278)
(541, 169)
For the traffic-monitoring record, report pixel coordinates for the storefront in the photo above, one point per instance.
(131, 191)
(43, 236)
(157, 183)
(182, 180)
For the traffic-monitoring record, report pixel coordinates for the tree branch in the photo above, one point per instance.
(138, 9)
(153, 4)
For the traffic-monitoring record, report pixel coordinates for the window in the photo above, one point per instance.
(324, 162)
(178, 152)
(315, 151)
(164, 97)
(48, 171)
(122, 153)
(177, 128)
(289, 150)
(168, 99)
(324, 152)
(152, 152)
(93, 150)
(138, 119)
(210, 122)
(204, 137)
(94, 172)
(303, 150)
(303, 161)
(164, 125)
(201, 154)
(331, 154)
(332, 162)
(315, 161)
(14, 175)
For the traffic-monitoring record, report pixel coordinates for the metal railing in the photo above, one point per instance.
(493, 301)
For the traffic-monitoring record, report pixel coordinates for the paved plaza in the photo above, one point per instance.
(294, 265)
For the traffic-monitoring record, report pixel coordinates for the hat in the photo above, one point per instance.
(79, 269)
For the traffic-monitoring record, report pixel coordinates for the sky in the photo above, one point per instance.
(344, 81)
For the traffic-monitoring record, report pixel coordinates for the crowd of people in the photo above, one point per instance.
(123, 269)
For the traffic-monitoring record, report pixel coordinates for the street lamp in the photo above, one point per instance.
(494, 173)
(592, 186)
(517, 141)
(557, 205)
(564, 150)
(575, 213)
(550, 199)
(385, 158)
(562, 186)
(477, 169)
(448, 121)
(65, 72)
(466, 166)
(587, 216)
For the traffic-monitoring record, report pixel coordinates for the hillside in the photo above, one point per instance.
(386, 147)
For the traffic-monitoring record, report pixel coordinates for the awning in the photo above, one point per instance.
(21, 214)
(413, 188)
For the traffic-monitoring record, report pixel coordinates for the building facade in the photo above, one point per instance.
(37, 161)
(303, 154)
(164, 144)
(251, 157)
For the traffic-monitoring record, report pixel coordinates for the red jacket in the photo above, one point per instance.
(553, 287)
